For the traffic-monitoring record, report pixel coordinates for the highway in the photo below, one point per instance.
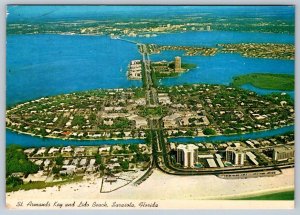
(160, 158)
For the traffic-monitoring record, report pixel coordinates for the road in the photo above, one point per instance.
(160, 157)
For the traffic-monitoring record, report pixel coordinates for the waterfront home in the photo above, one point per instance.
(66, 151)
(29, 151)
(41, 152)
(79, 151)
(104, 150)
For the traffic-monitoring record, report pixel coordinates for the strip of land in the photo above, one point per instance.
(193, 188)
(284, 195)
(266, 81)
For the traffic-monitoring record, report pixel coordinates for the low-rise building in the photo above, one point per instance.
(252, 158)
(283, 153)
(79, 151)
(211, 163)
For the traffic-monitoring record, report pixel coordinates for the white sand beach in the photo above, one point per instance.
(161, 186)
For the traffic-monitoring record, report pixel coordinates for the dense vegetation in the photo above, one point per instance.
(185, 66)
(16, 161)
(266, 81)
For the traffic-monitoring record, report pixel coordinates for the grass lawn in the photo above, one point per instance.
(266, 81)
(286, 195)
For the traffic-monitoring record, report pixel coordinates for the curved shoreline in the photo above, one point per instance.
(258, 193)
(172, 139)
(73, 139)
(229, 136)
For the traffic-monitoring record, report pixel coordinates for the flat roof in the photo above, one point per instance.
(211, 162)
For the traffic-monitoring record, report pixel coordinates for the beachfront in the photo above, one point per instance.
(160, 186)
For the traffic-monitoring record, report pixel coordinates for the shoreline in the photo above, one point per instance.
(192, 188)
(258, 193)
(72, 139)
(136, 138)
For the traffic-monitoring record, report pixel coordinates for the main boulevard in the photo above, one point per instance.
(161, 159)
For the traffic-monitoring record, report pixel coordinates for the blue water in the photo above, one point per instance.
(221, 68)
(224, 138)
(31, 141)
(44, 65)
(265, 92)
(212, 38)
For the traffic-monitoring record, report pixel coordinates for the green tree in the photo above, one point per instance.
(124, 164)
(59, 160)
(16, 161)
(98, 159)
(102, 167)
(55, 170)
(13, 181)
(209, 131)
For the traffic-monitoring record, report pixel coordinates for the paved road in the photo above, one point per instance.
(161, 159)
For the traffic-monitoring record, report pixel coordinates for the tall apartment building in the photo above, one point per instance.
(187, 155)
(178, 64)
(235, 155)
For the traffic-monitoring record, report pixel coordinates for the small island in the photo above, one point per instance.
(266, 81)
(164, 69)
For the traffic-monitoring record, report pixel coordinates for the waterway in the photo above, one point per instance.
(33, 141)
(225, 138)
(45, 65)
(221, 68)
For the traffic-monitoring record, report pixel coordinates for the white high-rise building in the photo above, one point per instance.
(187, 155)
(235, 155)
(178, 64)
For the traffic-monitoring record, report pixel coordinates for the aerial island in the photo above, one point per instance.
(155, 114)
(183, 130)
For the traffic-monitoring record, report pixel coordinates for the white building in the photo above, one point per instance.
(235, 155)
(187, 155)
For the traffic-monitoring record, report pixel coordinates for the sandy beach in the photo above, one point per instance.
(160, 186)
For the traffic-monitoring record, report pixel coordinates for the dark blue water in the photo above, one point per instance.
(224, 138)
(31, 141)
(43, 65)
